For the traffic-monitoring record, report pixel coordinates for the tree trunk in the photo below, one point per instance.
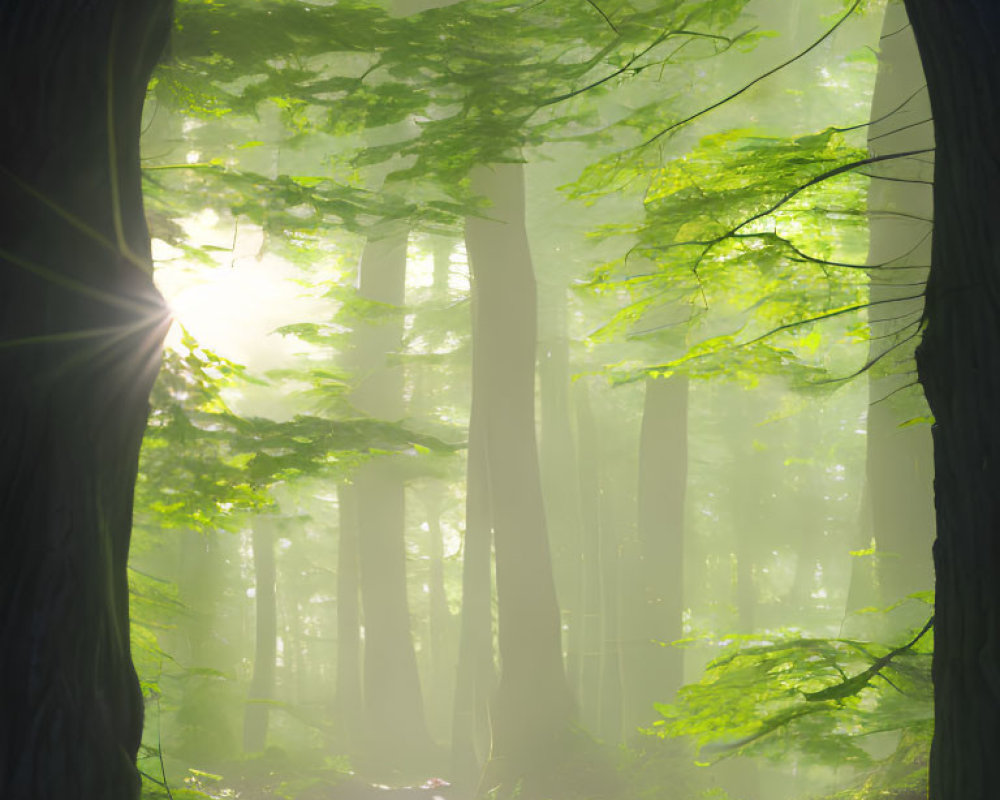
(654, 672)
(80, 332)
(597, 506)
(265, 641)
(557, 461)
(899, 510)
(532, 711)
(475, 675)
(201, 574)
(440, 643)
(348, 705)
(397, 733)
(958, 364)
(397, 736)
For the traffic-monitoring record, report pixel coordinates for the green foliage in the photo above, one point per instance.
(430, 94)
(202, 463)
(759, 236)
(294, 204)
(739, 257)
(826, 702)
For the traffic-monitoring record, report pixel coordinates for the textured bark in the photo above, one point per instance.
(959, 366)
(80, 332)
(255, 721)
(532, 710)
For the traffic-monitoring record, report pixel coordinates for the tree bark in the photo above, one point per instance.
(80, 332)
(958, 363)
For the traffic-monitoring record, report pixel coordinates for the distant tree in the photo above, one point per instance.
(262, 683)
(898, 503)
(80, 332)
(654, 670)
(958, 363)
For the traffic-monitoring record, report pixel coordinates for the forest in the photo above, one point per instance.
(493, 399)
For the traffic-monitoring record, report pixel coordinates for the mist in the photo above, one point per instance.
(538, 414)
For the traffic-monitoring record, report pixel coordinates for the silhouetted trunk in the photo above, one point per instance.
(532, 711)
(654, 670)
(80, 332)
(958, 363)
(265, 640)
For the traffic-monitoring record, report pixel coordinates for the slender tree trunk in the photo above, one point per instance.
(200, 578)
(475, 675)
(533, 710)
(397, 732)
(348, 698)
(80, 333)
(265, 642)
(653, 672)
(595, 509)
(958, 363)
(440, 643)
(397, 737)
(746, 503)
(557, 459)
(899, 504)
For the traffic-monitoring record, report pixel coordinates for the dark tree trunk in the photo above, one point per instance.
(265, 641)
(80, 333)
(959, 366)
(532, 711)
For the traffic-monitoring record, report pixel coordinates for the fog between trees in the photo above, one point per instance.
(540, 413)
